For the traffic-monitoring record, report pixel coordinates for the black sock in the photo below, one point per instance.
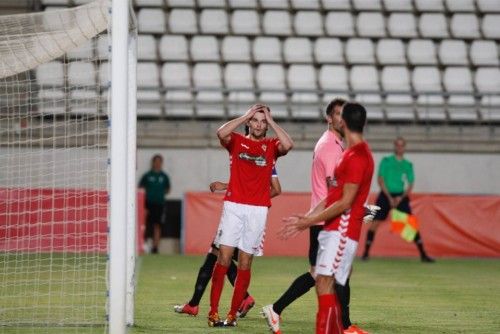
(369, 240)
(344, 297)
(231, 274)
(299, 287)
(420, 245)
(204, 276)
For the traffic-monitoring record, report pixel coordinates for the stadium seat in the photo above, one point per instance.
(211, 3)
(207, 80)
(371, 24)
(364, 79)
(465, 26)
(51, 101)
(430, 108)
(373, 105)
(175, 75)
(336, 4)
(421, 52)
(453, 52)
(179, 103)
(426, 79)
(104, 73)
(272, 77)
(147, 75)
(398, 5)
(304, 104)
(339, 24)
(83, 102)
(267, 49)
(204, 48)
(81, 73)
(333, 79)
(487, 6)
(461, 104)
(433, 25)
(429, 5)
(360, 51)
(85, 51)
(174, 47)
(243, 4)
(151, 21)
(245, 22)
(328, 50)
(182, 21)
(455, 6)
(103, 47)
(487, 81)
(484, 53)
(374, 5)
(305, 4)
(239, 102)
(297, 50)
(236, 48)
(146, 47)
(398, 102)
(277, 22)
(182, 3)
(148, 103)
(402, 25)
(214, 21)
(490, 26)
(390, 52)
(50, 74)
(274, 4)
(149, 3)
(239, 76)
(308, 23)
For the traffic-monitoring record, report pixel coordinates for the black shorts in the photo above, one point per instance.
(155, 213)
(385, 206)
(314, 243)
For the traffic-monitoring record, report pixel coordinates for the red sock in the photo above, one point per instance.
(337, 315)
(240, 289)
(328, 316)
(218, 276)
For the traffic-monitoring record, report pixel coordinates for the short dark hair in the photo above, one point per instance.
(354, 116)
(338, 101)
(157, 156)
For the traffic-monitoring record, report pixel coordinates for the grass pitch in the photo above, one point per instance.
(387, 296)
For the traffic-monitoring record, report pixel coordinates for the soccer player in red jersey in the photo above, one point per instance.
(342, 211)
(246, 202)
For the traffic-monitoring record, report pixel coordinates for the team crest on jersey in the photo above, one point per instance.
(264, 147)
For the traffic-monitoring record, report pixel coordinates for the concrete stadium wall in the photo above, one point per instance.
(194, 169)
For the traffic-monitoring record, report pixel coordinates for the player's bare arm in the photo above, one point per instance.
(296, 224)
(286, 142)
(224, 132)
(275, 187)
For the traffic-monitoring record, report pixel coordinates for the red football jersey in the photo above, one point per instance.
(355, 166)
(251, 165)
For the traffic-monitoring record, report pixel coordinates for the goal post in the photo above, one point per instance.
(67, 157)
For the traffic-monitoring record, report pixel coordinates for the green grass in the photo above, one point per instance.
(387, 296)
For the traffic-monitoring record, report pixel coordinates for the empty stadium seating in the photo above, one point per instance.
(407, 60)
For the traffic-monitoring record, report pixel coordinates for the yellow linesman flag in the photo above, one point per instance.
(404, 224)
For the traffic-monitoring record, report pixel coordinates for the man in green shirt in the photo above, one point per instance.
(395, 178)
(156, 184)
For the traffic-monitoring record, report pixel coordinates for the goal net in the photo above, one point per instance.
(54, 170)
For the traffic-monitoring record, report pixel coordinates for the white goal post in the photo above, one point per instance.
(67, 176)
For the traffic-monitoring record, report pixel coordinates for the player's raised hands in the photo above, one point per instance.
(293, 226)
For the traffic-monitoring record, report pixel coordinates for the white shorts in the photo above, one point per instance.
(242, 226)
(335, 255)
